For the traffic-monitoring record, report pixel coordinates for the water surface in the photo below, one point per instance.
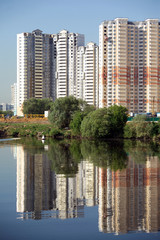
(79, 190)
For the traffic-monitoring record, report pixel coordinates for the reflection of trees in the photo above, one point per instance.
(105, 154)
(66, 156)
(76, 150)
(140, 150)
(62, 159)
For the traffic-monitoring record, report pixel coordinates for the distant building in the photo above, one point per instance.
(6, 107)
(14, 97)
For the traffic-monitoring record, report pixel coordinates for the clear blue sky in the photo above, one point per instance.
(51, 16)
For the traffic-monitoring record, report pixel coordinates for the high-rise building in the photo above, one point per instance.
(35, 67)
(88, 74)
(14, 97)
(46, 65)
(129, 63)
(66, 45)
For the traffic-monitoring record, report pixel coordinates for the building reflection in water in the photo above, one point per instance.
(128, 200)
(39, 188)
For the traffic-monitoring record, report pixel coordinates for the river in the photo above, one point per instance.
(79, 189)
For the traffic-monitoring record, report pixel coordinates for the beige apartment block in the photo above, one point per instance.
(129, 63)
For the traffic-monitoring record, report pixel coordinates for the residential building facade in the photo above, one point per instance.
(129, 63)
(88, 74)
(35, 67)
(46, 65)
(66, 45)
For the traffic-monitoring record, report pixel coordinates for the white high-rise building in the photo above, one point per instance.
(91, 74)
(46, 65)
(88, 73)
(35, 67)
(66, 45)
(80, 72)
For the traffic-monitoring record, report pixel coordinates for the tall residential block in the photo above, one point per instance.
(87, 86)
(66, 50)
(46, 65)
(129, 64)
(35, 66)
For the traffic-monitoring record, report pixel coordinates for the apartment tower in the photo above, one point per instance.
(66, 45)
(35, 67)
(129, 63)
(88, 73)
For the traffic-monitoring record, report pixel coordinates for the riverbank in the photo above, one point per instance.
(132, 130)
(31, 129)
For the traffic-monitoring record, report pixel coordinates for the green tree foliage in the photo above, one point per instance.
(117, 118)
(139, 118)
(95, 124)
(103, 123)
(78, 116)
(7, 113)
(36, 106)
(75, 123)
(63, 109)
(141, 129)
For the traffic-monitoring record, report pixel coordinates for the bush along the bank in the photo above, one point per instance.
(32, 130)
(78, 116)
(22, 130)
(63, 110)
(142, 130)
(85, 121)
(105, 123)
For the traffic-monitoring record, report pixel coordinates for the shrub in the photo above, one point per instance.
(129, 130)
(63, 110)
(55, 132)
(104, 122)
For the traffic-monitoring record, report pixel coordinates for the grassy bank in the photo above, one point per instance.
(30, 129)
(132, 130)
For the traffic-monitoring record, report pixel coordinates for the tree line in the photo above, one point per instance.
(81, 118)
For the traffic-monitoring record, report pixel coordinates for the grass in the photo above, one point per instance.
(27, 129)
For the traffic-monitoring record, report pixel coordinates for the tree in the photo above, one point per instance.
(7, 113)
(95, 124)
(140, 118)
(103, 123)
(78, 116)
(117, 118)
(63, 109)
(36, 106)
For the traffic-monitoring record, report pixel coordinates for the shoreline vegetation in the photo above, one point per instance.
(143, 130)
(74, 118)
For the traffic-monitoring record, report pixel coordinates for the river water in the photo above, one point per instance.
(79, 190)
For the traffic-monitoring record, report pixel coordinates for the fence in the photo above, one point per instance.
(34, 115)
(149, 119)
